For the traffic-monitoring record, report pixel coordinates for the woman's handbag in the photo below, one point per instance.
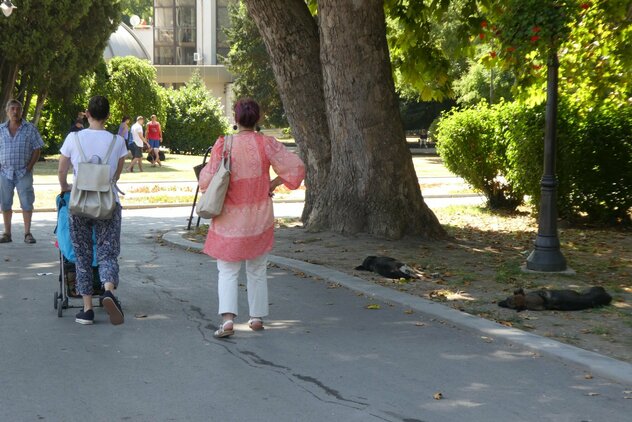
(92, 193)
(212, 201)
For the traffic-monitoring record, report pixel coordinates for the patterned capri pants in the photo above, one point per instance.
(108, 235)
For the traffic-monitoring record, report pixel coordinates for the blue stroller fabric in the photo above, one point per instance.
(63, 230)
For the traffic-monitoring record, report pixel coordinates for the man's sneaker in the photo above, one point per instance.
(85, 317)
(113, 308)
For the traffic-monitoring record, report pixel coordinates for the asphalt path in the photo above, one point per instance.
(323, 356)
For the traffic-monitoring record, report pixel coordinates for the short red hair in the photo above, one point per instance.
(247, 112)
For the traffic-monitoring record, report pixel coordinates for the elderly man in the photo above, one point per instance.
(20, 145)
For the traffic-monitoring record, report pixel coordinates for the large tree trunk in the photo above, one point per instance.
(7, 85)
(291, 37)
(377, 189)
(341, 103)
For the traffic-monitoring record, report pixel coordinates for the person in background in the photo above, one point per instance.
(154, 137)
(423, 138)
(123, 130)
(95, 141)
(77, 126)
(80, 119)
(244, 232)
(20, 147)
(139, 141)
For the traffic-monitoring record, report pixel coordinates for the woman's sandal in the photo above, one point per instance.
(224, 330)
(255, 324)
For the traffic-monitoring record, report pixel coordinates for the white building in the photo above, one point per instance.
(186, 36)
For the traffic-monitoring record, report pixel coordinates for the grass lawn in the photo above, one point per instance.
(174, 168)
(174, 182)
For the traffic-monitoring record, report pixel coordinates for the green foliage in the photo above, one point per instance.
(475, 85)
(248, 60)
(418, 115)
(141, 8)
(523, 129)
(595, 165)
(472, 145)
(592, 39)
(506, 143)
(427, 41)
(53, 44)
(131, 88)
(194, 118)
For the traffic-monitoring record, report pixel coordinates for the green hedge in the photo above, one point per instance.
(472, 145)
(499, 150)
(597, 166)
(194, 119)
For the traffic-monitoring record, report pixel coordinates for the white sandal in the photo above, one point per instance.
(225, 330)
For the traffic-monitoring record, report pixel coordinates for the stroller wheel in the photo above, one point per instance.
(55, 300)
(59, 308)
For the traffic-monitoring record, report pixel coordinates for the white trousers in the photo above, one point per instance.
(257, 285)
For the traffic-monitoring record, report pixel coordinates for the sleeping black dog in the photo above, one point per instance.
(387, 267)
(558, 300)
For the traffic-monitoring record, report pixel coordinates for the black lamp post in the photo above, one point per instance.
(547, 255)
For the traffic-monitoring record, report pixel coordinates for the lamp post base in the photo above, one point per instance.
(545, 259)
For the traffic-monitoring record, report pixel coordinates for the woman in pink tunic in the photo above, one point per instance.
(244, 232)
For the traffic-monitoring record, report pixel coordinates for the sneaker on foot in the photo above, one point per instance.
(28, 238)
(113, 308)
(85, 317)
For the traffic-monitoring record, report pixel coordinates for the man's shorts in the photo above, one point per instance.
(154, 143)
(24, 186)
(137, 152)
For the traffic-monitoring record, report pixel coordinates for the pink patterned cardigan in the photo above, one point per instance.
(245, 229)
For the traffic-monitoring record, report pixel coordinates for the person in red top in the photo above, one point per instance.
(154, 136)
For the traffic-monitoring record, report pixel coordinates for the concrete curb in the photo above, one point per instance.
(595, 363)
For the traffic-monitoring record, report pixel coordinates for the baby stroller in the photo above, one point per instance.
(67, 274)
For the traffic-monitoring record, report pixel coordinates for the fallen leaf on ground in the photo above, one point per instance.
(409, 311)
(437, 396)
(588, 376)
(373, 306)
(592, 394)
(420, 324)
(487, 339)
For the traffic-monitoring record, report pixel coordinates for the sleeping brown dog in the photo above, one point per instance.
(558, 300)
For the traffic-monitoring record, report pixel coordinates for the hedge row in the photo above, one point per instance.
(499, 151)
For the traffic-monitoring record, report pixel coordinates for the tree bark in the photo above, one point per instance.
(290, 34)
(7, 85)
(39, 105)
(377, 190)
(338, 92)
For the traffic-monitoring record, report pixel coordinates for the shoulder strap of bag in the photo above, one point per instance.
(107, 154)
(226, 158)
(83, 156)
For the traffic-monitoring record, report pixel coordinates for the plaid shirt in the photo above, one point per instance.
(16, 151)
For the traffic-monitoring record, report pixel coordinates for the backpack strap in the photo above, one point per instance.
(107, 155)
(78, 144)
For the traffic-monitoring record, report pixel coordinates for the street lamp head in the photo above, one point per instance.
(7, 7)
